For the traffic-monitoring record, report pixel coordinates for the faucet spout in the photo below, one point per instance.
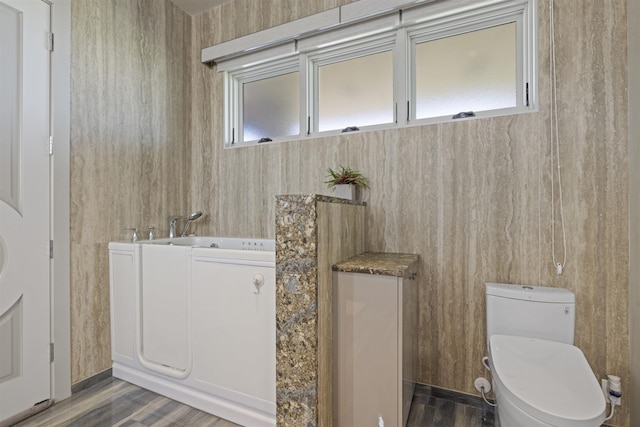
(172, 225)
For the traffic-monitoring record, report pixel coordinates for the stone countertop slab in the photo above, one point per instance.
(320, 198)
(379, 263)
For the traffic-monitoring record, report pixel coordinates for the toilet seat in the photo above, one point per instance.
(550, 381)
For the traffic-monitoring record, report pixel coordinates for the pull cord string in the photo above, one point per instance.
(554, 137)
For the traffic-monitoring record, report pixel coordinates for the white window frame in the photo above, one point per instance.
(342, 52)
(393, 30)
(234, 95)
(466, 21)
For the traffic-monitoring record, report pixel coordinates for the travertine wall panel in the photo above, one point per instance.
(129, 147)
(633, 50)
(473, 198)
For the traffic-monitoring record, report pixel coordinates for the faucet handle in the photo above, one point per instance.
(152, 233)
(134, 236)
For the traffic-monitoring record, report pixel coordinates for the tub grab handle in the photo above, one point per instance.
(258, 282)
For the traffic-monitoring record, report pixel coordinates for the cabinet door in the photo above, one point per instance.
(235, 324)
(366, 364)
(123, 272)
(165, 309)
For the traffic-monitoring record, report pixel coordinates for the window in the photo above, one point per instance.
(352, 84)
(264, 103)
(271, 107)
(474, 71)
(355, 93)
(408, 65)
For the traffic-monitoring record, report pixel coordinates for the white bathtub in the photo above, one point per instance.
(197, 323)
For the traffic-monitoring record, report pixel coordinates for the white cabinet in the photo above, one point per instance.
(375, 339)
(190, 323)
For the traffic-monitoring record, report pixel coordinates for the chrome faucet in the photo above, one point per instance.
(172, 225)
(174, 219)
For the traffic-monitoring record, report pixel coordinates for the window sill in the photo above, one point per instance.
(391, 126)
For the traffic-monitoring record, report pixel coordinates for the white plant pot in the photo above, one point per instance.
(348, 191)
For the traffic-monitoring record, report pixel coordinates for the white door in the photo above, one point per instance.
(24, 205)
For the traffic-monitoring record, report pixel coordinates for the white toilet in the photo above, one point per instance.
(539, 377)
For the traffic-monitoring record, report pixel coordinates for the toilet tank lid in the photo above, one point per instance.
(531, 293)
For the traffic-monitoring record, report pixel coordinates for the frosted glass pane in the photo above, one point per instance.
(475, 71)
(357, 92)
(272, 107)
(10, 71)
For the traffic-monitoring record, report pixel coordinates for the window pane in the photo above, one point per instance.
(357, 92)
(272, 107)
(475, 71)
(10, 71)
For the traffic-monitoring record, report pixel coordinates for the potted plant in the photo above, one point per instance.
(347, 183)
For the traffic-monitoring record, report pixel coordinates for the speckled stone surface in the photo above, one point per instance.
(296, 308)
(380, 263)
(299, 372)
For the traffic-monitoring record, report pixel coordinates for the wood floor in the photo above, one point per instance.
(434, 407)
(113, 402)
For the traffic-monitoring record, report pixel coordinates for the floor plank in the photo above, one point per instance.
(433, 407)
(115, 403)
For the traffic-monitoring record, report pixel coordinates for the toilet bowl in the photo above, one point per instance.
(540, 378)
(544, 383)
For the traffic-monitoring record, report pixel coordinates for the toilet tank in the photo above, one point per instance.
(530, 311)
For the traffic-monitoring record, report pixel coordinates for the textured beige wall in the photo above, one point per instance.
(129, 147)
(633, 19)
(472, 198)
